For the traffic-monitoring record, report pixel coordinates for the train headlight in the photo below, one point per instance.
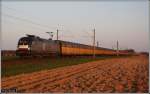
(28, 48)
(24, 47)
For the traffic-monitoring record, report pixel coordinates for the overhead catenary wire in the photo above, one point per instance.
(37, 27)
(54, 28)
(46, 27)
(19, 18)
(25, 17)
(33, 26)
(27, 20)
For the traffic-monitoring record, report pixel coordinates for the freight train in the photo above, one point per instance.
(32, 45)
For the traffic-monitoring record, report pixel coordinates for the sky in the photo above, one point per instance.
(124, 21)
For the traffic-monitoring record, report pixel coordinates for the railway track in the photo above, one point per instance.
(113, 75)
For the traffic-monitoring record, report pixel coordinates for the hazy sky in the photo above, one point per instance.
(125, 21)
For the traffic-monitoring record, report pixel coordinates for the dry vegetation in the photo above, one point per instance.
(112, 75)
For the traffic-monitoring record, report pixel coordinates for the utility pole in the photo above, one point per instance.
(117, 48)
(57, 34)
(94, 43)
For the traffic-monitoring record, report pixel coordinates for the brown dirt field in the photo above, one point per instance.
(111, 75)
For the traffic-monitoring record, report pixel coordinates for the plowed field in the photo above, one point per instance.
(110, 75)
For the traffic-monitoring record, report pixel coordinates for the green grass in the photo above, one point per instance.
(26, 65)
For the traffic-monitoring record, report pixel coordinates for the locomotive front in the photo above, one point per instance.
(24, 46)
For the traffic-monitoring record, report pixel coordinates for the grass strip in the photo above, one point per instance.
(27, 66)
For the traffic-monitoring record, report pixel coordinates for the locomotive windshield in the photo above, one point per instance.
(25, 41)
